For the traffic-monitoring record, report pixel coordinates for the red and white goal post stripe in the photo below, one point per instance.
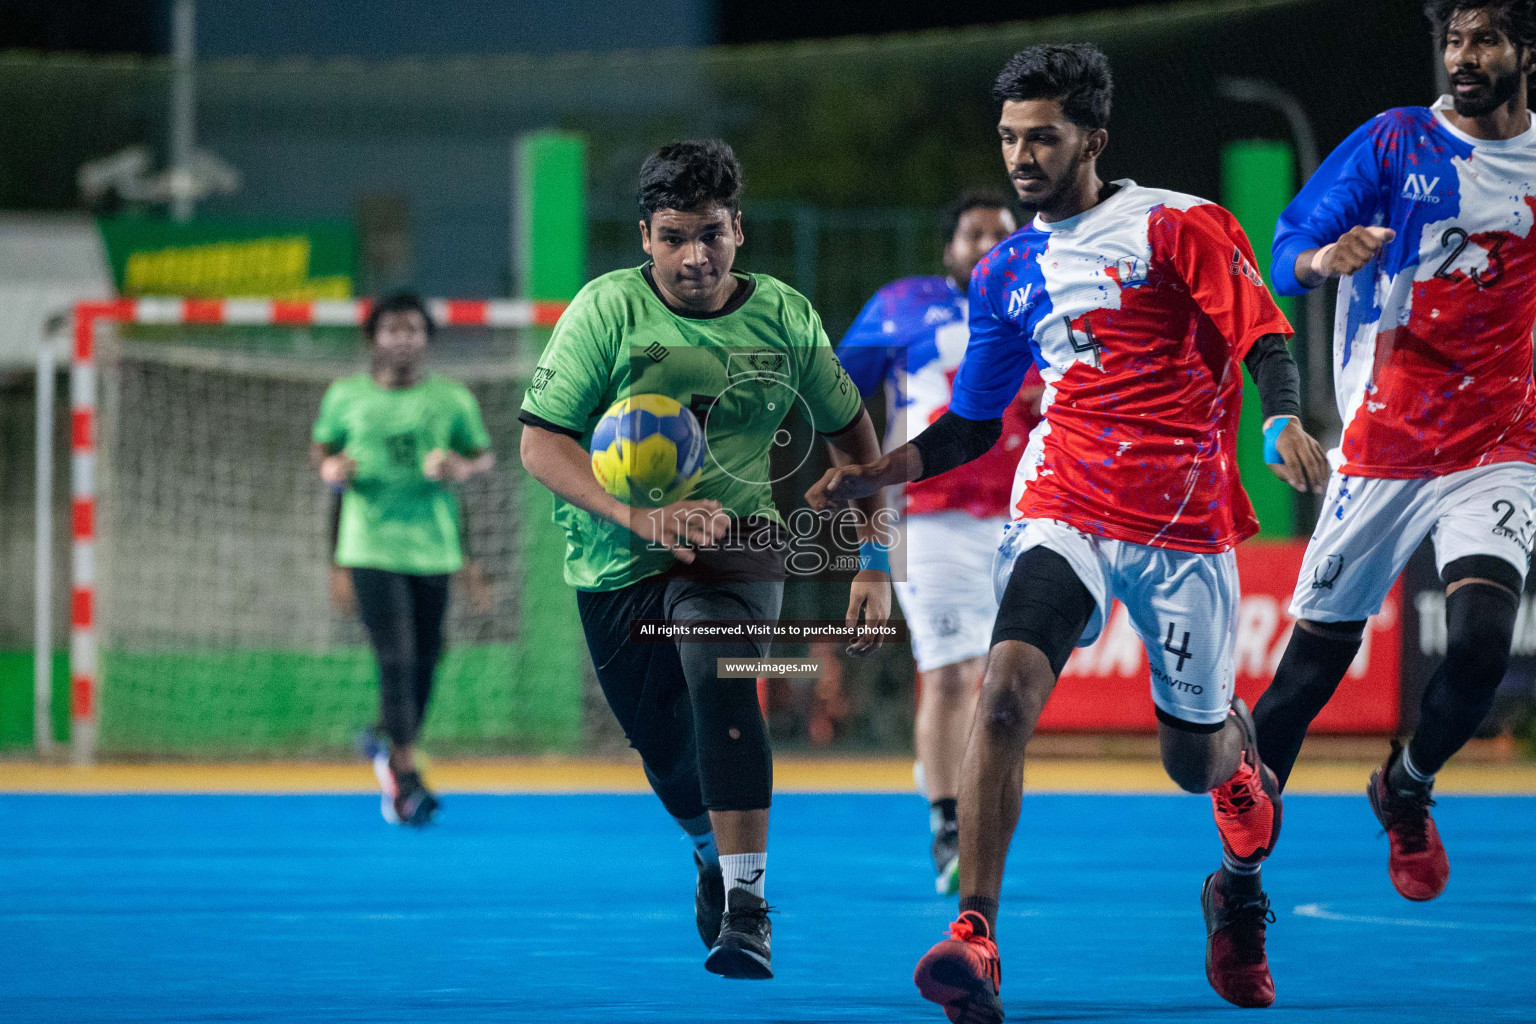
(84, 655)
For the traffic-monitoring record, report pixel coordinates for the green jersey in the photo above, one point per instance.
(742, 371)
(392, 516)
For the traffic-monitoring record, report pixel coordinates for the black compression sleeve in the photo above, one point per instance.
(335, 522)
(1275, 372)
(952, 441)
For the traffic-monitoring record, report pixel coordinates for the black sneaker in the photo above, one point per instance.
(946, 861)
(708, 901)
(415, 804)
(741, 951)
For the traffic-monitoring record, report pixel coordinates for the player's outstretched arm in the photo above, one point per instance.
(871, 589)
(950, 441)
(560, 463)
(1351, 251)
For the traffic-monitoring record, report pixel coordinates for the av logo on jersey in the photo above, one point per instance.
(1420, 188)
(1018, 301)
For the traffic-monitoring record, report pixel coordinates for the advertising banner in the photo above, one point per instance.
(221, 259)
(1105, 687)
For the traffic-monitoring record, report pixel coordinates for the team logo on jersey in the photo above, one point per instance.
(657, 351)
(1241, 267)
(1327, 574)
(1420, 188)
(1132, 271)
(937, 315)
(1018, 301)
(766, 368)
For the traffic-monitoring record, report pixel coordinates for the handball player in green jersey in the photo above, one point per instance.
(395, 441)
(740, 350)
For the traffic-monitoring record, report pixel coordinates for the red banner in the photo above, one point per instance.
(1105, 688)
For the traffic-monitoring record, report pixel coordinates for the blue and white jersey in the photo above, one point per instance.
(1432, 339)
(908, 340)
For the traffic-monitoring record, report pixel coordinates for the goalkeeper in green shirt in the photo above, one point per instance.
(740, 350)
(394, 441)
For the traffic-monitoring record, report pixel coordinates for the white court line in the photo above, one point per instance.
(1321, 912)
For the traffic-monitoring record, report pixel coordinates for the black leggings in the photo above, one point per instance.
(701, 738)
(404, 618)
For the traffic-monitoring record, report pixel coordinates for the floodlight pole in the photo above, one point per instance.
(1319, 340)
(183, 107)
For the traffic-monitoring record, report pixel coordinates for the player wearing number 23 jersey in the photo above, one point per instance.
(1428, 217)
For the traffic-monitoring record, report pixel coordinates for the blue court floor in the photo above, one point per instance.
(579, 908)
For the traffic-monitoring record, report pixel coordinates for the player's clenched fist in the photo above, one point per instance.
(1354, 249)
(337, 470)
(1304, 465)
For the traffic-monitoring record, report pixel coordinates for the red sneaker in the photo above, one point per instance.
(1247, 806)
(1235, 963)
(1417, 863)
(963, 973)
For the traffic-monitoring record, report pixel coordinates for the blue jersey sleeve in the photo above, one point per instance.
(996, 358)
(867, 352)
(1345, 192)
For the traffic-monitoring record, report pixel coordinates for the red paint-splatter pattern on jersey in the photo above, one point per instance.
(1138, 313)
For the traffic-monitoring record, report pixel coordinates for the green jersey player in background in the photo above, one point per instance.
(740, 350)
(395, 440)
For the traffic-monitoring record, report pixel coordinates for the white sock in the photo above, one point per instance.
(702, 837)
(744, 871)
(1413, 771)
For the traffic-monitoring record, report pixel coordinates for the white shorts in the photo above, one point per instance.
(947, 596)
(1182, 604)
(1369, 528)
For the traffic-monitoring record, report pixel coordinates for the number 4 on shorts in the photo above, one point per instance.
(1182, 651)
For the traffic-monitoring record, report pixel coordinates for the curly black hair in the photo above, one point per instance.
(1077, 74)
(1515, 18)
(690, 175)
(396, 302)
(973, 199)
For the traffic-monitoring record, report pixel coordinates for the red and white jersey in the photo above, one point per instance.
(1432, 341)
(1138, 313)
(909, 339)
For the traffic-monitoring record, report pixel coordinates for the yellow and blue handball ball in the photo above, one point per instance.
(648, 450)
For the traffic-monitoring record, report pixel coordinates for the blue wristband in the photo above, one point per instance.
(874, 555)
(1271, 435)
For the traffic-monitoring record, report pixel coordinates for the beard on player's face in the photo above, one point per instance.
(1490, 91)
(1060, 186)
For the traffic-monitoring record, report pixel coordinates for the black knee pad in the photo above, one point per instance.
(1480, 625)
(1044, 605)
(735, 760)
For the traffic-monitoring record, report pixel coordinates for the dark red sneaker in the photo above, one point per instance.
(1247, 807)
(1235, 963)
(963, 973)
(1417, 863)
